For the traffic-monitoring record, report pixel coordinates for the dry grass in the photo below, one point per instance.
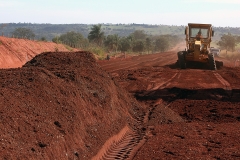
(230, 55)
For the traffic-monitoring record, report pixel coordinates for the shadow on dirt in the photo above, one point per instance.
(209, 105)
(195, 65)
(172, 94)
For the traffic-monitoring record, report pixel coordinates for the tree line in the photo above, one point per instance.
(49, 31)
(138, 41)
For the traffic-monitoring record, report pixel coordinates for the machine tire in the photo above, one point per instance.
(181, 60)
(211, 62)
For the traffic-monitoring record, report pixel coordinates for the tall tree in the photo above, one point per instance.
(96, 35)
(148, 44)
(139, 35)
(125, 44)
(161, 44)
(2, 26)
(138, 46)
(112, 42)
(72, 39)
(237, 39)
(23, 33)
(227, 42)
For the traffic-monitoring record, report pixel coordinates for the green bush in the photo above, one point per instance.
(43, 39)
(100, 52)
(68, 48)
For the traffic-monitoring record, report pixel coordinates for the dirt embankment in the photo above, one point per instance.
(16, 52)
(60, 106)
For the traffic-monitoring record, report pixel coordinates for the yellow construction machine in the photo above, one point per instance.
(198, 39)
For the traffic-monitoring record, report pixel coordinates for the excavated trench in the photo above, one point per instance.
(172, 94)
(208, 105)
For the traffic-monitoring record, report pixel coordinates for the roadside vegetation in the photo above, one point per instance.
(230, 46)
(24, 33)
(134, 39)
(138, 42)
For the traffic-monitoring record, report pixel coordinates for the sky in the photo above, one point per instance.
(219, 13)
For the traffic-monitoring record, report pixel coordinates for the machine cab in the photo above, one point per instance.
(198, 35)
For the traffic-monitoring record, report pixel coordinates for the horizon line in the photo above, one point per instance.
(109, 24)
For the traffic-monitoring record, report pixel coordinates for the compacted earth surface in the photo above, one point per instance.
(193, 113)
(67, 105)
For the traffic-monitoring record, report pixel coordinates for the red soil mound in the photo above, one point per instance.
(16, 52)
(60, 106)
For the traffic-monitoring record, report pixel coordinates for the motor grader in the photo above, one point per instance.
(198, 39)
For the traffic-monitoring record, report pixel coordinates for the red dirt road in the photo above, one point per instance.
(194, 113)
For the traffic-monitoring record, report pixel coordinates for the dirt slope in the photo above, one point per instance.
(16, 52)
(60, 106)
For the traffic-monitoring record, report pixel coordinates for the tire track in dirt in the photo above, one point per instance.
(166, 83)
(154, 86)
(226, 84)
(127, 142)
